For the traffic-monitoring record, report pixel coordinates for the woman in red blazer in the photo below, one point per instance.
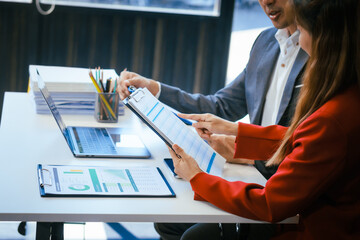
(318, 155)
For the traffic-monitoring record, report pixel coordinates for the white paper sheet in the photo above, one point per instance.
(172, 129)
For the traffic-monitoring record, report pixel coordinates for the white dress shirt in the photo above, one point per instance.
(289, 48)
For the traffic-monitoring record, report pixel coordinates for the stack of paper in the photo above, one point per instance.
(71, 89)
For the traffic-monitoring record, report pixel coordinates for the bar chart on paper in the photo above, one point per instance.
(89, 181)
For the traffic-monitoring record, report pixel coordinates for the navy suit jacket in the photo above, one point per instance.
(247, 93)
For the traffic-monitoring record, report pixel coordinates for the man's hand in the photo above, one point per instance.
(133, 79)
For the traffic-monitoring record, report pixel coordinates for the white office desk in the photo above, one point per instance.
(27, 139)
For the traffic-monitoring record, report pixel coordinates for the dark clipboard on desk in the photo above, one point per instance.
(95, 181)
(172, 130)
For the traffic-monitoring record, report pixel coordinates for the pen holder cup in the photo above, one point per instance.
(106, 107)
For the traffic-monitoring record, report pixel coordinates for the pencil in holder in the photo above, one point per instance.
(106, 107)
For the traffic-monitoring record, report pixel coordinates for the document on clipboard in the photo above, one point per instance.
(89, 181)
(172, 130)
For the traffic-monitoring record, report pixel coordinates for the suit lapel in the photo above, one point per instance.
(299, 64)
(263, 78)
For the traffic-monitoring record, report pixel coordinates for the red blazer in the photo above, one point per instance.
(319, 179)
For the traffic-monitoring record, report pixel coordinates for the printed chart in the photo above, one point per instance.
(84, 180)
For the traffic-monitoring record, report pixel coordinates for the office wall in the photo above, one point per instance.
(186, 51)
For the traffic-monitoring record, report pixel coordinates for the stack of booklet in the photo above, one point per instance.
(70, 87)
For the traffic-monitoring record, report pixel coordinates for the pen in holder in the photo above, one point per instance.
(106, 107)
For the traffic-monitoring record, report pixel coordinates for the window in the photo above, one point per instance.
(17, 1)
(188, 7)
(248, 21)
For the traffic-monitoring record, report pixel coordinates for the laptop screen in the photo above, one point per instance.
(125, 150)
(50, 102)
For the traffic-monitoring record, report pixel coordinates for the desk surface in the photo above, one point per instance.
(27, 139)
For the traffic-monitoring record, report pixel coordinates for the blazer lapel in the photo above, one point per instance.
(263, 78)
(299, 64)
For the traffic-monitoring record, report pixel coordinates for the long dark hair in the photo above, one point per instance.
(332, 66)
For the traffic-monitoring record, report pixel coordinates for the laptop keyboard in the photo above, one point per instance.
(95, 140)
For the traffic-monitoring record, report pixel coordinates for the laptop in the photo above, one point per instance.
(96, 141)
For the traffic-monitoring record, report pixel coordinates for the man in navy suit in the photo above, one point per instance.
(267, 90)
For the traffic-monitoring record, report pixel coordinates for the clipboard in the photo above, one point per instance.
(90, 181)
(172, 130)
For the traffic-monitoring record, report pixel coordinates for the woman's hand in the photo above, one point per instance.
(225, 146)
(185, 166)
(208, 124)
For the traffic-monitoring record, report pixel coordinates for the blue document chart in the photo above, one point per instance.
(171, 129)
(62, 180)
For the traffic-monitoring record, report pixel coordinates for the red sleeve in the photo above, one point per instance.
(314, 163)
(256, 142)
